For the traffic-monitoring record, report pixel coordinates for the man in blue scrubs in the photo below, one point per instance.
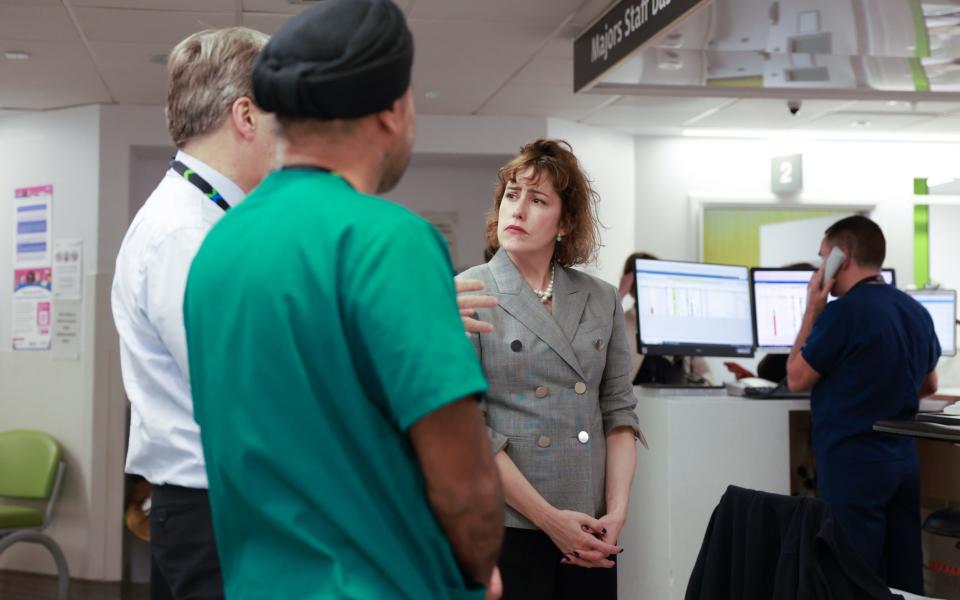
(868, 356)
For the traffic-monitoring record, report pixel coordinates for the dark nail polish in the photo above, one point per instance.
(621, 551)
(577, 554)
(604, 531)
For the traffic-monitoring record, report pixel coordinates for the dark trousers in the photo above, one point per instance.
(183, 552)
(531, 570)
(878, 507)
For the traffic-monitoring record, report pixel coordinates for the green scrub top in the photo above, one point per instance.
(321, 325)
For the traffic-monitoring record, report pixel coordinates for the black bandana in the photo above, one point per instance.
(340, 59)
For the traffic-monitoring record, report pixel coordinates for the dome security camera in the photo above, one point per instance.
(793, 106)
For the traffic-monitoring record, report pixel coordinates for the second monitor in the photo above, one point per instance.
(780, 298)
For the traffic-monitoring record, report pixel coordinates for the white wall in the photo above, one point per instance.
(36, 392)
(461, 184)
(608, 157)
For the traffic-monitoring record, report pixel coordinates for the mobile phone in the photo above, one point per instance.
(833, 262)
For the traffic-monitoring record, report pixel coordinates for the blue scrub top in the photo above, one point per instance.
(873, 348)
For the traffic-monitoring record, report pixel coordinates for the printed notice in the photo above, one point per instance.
(33, 212)
(66, 329)
(68, 269)
(32, 307)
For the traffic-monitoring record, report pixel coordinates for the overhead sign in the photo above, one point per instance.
(625, 27)
(786, 174)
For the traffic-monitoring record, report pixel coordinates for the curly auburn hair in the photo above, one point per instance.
(578, 215)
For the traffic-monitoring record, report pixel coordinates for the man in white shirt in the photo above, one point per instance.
(226, 145)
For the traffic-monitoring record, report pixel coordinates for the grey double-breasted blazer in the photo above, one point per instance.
(557, 382)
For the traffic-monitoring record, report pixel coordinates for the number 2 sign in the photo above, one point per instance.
(786, 174)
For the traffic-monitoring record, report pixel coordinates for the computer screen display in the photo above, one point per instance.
(779, 300)
(693, 309)
(942, 305)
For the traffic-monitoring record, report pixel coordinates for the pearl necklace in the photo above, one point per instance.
(546, 294)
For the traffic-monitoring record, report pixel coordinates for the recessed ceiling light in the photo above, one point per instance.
(16, 55)
(431, 95)
(892, 103)
(860, 124)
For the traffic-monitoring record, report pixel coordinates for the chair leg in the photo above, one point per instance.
(63, 571)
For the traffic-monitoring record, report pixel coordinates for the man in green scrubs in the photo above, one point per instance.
(333, 383)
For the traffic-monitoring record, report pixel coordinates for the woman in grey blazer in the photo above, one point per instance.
(560, 408)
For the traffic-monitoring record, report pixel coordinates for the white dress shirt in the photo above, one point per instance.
(147, 299)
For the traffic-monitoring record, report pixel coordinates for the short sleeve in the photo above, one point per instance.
(935, 349)
(400, 307)
(828, 339)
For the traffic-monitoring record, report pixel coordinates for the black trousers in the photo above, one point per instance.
(182, 547)
(531, 570)
(878, 507)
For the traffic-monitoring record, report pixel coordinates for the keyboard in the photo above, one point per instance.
(773, 392)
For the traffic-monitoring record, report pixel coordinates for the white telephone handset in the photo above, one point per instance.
(833, 262)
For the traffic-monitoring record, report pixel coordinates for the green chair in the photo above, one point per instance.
(31, 469)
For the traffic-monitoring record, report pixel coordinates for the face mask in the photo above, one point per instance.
(628, 303)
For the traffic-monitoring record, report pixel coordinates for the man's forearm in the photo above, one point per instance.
(472, 518)
(806, 327)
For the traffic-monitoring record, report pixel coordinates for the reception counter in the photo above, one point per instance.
(699, 444)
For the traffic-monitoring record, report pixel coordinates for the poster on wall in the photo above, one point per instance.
(32, 308)
(33, 213)
(68, 269)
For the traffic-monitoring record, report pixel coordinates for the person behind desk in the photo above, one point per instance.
(560, 409)
(868, 356)
(773, 366)
(654, 369)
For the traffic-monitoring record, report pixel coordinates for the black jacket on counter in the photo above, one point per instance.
(762, 546)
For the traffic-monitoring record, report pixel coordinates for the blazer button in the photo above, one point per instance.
(543, 441)
(541, 392)
(584, 437)
(516, 345)
(580, 388)
(598, 344)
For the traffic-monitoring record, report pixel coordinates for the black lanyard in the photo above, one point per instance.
(200, 183)
(868, 280)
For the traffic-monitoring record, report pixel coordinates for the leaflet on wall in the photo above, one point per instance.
(68, 269)
(33, 214)
(66, 329)
(32, 308)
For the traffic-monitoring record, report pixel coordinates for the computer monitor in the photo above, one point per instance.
(693, 309)
(779, 300)
(942, 305)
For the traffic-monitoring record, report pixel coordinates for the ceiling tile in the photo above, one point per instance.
(546, 70)
(590, 12)
(35, 23)
(31, 2)
(267, 23)
(937, 126)
(753, 113)
(481, 60)
(883, 106)
(522, 99)
(548, 13)
(653, 112)
(58, 74)
(866, 122)
(131, 75)
(290, 8)
(147, 27)
(176, 5)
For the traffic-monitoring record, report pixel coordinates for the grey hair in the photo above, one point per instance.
(206, 73)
